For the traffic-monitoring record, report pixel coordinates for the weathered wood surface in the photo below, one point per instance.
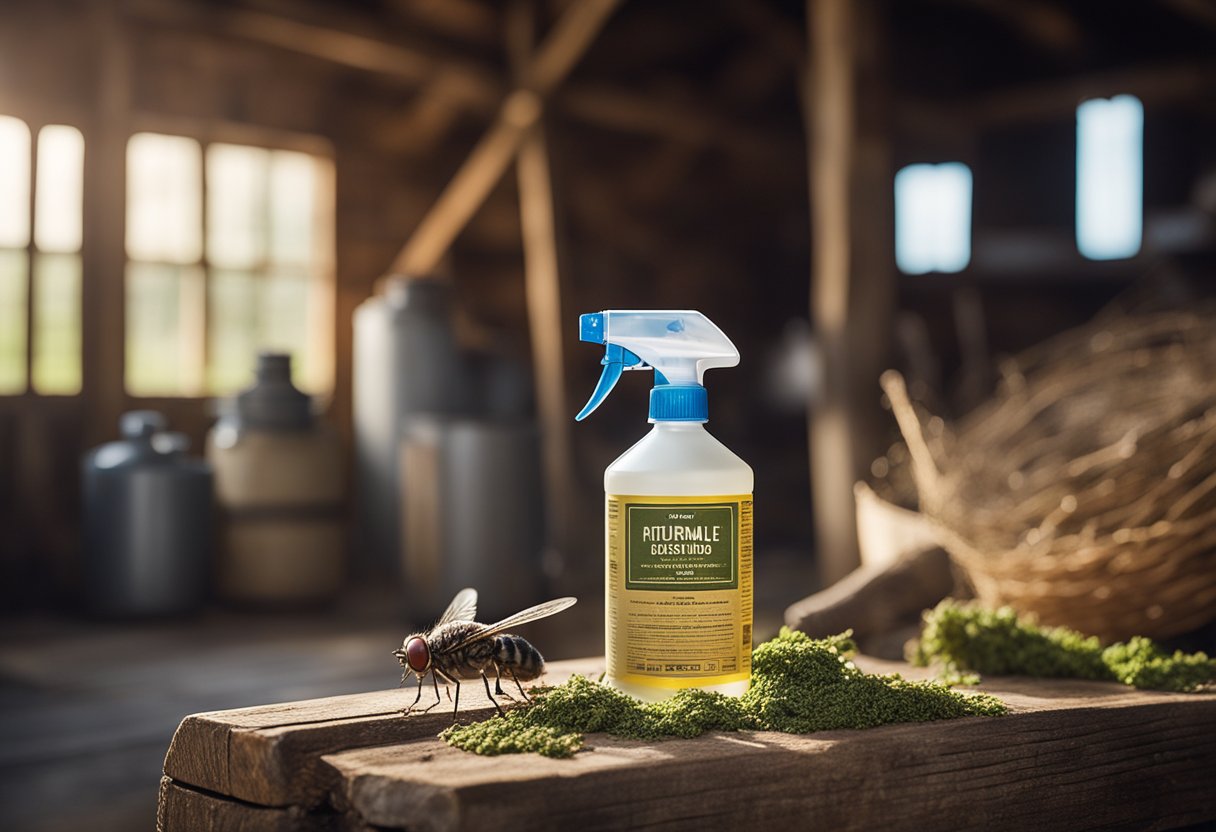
(270, 755)
(1071, 755)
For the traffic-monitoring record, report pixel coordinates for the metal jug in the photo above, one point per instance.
(280, 485)
(147, 522)
(406, 362)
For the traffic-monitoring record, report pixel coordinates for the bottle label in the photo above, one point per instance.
(679, 587)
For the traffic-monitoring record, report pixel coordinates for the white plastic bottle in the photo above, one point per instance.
(678, 517)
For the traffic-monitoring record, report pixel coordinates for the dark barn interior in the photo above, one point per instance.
(186, 183)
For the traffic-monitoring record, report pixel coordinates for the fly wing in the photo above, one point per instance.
(462, 608)
(530, 614)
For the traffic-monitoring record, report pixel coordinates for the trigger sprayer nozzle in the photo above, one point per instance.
(616, 361)
(679, 345)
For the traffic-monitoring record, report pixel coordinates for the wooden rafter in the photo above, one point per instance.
(542, 285)
(551, 63)
(852, 285)
(1042, 22)
(335, 39)
(1162, 84)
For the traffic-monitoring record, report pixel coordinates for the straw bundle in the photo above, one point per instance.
(1085, 490)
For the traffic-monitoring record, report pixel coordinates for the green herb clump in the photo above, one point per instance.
(965, 637)
(799, 684)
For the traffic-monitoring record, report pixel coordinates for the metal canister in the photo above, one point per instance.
(280, 485)
(406, 362)
(147, 522)
(472, 509)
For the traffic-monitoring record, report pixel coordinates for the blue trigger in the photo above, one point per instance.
(616, 360)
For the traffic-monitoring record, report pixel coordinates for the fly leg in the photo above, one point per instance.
(515, 679)
(486, 680)
(498, 691)
(456, 682)
(435, 684)
(413, 704)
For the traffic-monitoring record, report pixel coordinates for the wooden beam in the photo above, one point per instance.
(1044, 23)
(542, 285)
(852, 285)
(469, 20)
(1070, 754)
(103, 291)
(1196, 11)
(1160, 84)
(688, 122)
(468, 189)
(328, 35)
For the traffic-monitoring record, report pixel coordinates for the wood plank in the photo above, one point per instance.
(481, 171)
(182, 809)
(268, 755)
(1072, 755)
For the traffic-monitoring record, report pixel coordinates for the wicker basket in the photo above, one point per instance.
(1085, 490)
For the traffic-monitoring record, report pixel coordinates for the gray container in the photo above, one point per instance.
(147, 522)
(280, 484)
(472, 513)
(406, 362)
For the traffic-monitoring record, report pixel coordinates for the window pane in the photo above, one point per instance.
(57, 199)
(12, 321)
(232, 329)
(14, 183)
(164, 202)
(163, 330)
(283, 324)
(933, 218)
(1110, 177)
(293, 203)
(236, 205)
(56, 366)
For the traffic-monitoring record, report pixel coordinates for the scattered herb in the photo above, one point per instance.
(965, 637)
(798, 685)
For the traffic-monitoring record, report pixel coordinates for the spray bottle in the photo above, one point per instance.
(678, 516)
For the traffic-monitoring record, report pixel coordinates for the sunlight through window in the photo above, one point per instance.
(199, 311)
(933, 218)
(14, 183)
(164, 200)
(1110, 177)
(57, 200)
(14, 238)
(58, 222)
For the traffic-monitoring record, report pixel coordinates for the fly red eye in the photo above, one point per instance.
(417, 654)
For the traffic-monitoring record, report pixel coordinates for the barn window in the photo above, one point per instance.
(933, 218)
(40, 267)
(230, 252)
(1110, 177)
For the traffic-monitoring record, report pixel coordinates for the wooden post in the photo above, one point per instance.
(468, 189)
(103, 290)
(852, 268)
(542, 282)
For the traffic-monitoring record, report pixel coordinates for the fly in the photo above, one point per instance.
(458, 648)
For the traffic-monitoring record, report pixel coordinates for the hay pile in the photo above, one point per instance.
(1084, 491)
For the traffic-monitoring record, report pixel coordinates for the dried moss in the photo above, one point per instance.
(966, 637)
(799, 685)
